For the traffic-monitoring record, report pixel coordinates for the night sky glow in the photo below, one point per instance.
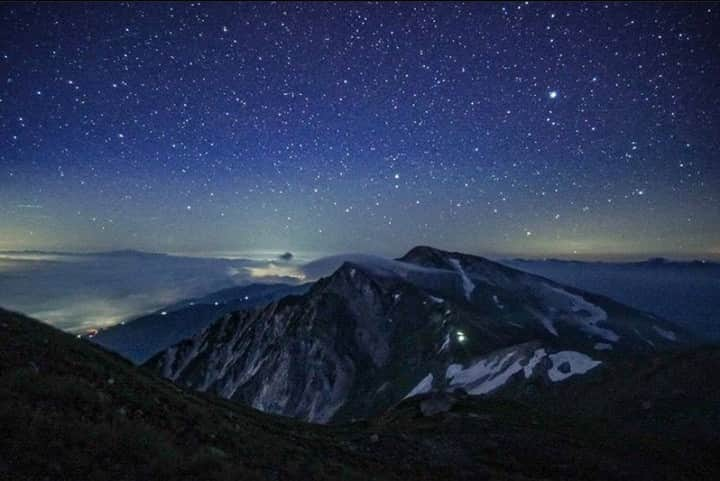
(570, 130)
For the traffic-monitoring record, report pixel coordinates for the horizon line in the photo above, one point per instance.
(274, 254)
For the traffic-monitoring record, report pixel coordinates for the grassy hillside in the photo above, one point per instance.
(667, 403)
(71, 411)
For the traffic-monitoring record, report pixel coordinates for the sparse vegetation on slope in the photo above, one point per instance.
(71, 411)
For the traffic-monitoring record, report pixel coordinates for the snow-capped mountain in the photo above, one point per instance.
(683, 292)
(376, 332)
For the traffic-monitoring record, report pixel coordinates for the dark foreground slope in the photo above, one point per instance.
(71, 411)
(671, 396)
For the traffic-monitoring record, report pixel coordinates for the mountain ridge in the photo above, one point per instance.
(72, 410)
(372, 332)
(140, 338)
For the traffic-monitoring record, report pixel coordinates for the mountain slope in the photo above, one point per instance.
(660, 410)
(671, 395)
(71, 411)
(141, 338)
(370, 334)
(683, 292)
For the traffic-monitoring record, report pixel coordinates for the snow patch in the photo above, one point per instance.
(603, 346)
(423, 386)
(575, 362)
(485, 375)
(445, 344)
(538, 356)
(468, 284)
(452, 370)
(669, 335)
(546, 321)
(169, 362)
(643, 338)
(596, 314)
(437, 300)
(497, 302)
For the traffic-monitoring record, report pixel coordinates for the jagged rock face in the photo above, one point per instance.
(370, 335)
(302, 356)
(281, 359)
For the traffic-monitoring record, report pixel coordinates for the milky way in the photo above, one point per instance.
(578, 130)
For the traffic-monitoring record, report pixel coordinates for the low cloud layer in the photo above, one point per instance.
(80, 292)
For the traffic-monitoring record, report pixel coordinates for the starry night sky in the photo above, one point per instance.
(567, 130)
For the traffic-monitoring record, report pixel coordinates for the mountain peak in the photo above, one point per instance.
(424, 250)
(350, 275)
(443, 319)
(428, 256)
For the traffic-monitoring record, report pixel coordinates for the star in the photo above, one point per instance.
(336, 129)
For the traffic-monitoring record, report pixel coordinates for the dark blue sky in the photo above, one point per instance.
(571, 130)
